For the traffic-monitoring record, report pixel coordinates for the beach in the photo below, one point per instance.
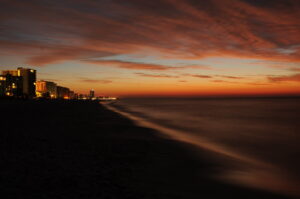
(80, 149)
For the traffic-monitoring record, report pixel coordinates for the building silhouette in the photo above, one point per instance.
(29, 81)
(92, 94)
(63, 92)
(20, 82)
(11, 85)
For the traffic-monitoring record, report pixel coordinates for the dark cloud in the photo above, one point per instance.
(218, 81)
(97, 81)
(230, 77)
(156, 75)
(50, 80)
(257, 84)
(141, 66)
(199, 76)
(129, 65)
(54, 31)
(223, 81)
(295, 69)
(290, 78)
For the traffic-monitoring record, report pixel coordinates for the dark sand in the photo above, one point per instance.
(65, 149)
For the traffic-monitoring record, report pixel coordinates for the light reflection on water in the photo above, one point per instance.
(260, 136)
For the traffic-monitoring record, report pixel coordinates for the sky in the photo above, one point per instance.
(156, 48)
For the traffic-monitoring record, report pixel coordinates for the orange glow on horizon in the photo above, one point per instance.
(201, 89)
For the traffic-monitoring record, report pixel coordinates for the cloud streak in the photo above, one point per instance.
(230, 77)
(129, 65)
(95, 81)
(141, 66)
(156, 75)
(290, 78)
(295, 69)
(201, 76)
(57, 31)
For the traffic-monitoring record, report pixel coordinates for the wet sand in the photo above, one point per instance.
(72, 149)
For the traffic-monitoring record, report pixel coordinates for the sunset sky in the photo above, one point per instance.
(158, 47)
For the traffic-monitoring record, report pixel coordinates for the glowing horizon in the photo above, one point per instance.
(161, 48)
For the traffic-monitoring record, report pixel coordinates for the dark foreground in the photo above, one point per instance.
(65, 149)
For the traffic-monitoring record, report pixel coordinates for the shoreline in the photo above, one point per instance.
(73, 149)
(241, 174)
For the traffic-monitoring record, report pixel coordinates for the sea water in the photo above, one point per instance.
(257, 140)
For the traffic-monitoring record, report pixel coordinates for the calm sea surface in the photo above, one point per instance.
(256, 140)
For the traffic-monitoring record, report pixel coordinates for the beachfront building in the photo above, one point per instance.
(46, 89)
(10, 85)
(92, 94)
(71, 95)
(20, 82)
(63, 92)
(13, 85)
(76, 96)
(29, 81)
(2, 85)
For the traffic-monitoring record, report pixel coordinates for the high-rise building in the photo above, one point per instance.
(11, 85)
(46, 89)
(29, 81)
(2, 85)
(92, 94)
(20, 82)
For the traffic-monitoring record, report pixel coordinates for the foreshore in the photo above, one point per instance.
(79, 149)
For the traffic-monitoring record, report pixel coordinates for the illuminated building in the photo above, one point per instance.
(46, 89)
(11, 85)
(29, 79)
(2, 85)
(20, 82)
(63, 92)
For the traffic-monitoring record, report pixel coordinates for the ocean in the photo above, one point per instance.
(256, 141)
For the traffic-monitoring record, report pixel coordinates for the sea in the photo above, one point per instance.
(256, 141)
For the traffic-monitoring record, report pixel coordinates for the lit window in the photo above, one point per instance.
(31, 70)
